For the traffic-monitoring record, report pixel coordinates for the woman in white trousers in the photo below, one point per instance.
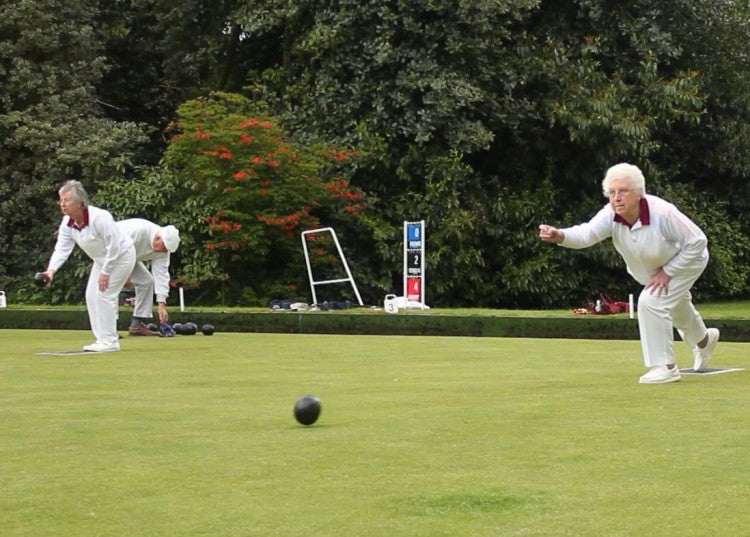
(666, 253)
(113, 255)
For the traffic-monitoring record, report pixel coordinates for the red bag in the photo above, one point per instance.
(610, 306)
(606, 306)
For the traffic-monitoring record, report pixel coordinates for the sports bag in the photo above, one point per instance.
(606, 305)
(610, 305)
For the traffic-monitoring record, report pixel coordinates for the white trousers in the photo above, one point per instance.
(103, 306)
(143, 283)
(658, 316)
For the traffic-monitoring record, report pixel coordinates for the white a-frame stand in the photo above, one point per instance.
(313, 282)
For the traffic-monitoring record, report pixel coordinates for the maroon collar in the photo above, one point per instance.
(72, 223)
(645, 216)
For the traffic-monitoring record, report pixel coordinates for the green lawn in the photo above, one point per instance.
(419, 436)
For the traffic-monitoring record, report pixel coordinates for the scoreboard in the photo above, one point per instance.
(414, 269)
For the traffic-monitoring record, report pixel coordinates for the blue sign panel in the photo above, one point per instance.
(414, 235)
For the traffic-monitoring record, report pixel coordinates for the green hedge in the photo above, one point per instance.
(377, 323)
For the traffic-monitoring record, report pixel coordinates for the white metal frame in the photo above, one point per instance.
(313, 283)
(421, 303)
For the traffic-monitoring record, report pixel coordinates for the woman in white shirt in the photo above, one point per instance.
(111, 251)
(665, 252)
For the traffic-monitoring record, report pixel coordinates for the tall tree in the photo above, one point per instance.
(481, 116)
(160, 54)
(240, 192)
(51, 124)
(419, 85)
(486, 116)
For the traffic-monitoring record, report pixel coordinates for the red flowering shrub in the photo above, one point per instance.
(241, 193)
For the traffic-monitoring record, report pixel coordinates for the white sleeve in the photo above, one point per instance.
(104, 226)
(595, 230)
(677, 227)
(63, 247)
(160, 272)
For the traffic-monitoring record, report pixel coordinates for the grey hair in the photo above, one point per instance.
(79, 193)
(632, 174)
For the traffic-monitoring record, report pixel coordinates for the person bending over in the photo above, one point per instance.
(113, 255)
(665, 252)
(153, 245)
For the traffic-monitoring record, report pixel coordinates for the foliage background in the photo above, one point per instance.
(482, 117)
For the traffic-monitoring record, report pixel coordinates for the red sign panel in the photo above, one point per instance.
(414, 289)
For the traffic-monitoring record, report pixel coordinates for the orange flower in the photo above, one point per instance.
(354, 208)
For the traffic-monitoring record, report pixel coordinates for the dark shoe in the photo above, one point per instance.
(141, 330)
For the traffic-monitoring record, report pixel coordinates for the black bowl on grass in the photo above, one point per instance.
(307, 409)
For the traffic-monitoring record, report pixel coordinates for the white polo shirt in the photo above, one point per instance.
(143, 232)
(662, 237)
(98, 236)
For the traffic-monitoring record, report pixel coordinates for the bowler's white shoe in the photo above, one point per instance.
(701, 357)
(660, 374)
(101, 347)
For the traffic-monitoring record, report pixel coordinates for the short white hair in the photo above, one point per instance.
(630, 173)
(76, 189)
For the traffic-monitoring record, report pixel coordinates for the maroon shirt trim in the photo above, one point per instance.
(72, 222)
(645, 216)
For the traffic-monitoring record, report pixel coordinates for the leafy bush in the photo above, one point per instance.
(728, 271)
(240, 192)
